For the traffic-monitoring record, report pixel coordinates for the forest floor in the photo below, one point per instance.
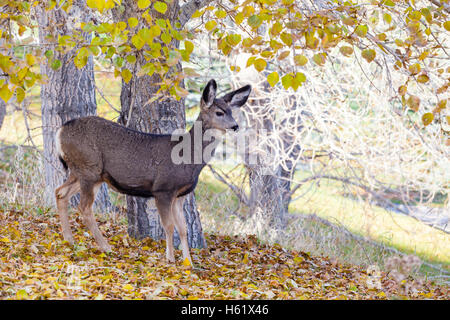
(35, 263)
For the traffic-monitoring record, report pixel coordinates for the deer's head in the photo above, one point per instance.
(216, 113)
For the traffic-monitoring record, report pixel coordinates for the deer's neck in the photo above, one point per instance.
(203, 144)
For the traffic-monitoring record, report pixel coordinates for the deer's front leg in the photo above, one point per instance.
(180, 224)
(164, 205)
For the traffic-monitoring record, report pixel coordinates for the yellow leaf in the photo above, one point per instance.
(298, 259)
(300, 60)
(5, 94)
(447, 25)
(260, 64)
(284, 54)
(402, 90)
(220, 13)
(210, 25)
(245, 259)
(319, 59)
(126, 75)
(137, 41)
(413, 103)
(20, 94)
(427, 118)
(186, 262)
(127, 287)
(368, 54)
(143, 4)
(273, 78)
(133, 22)
(423, 78)
(5, 240)
(21, 294)
(161, 7)
(346, 50)
(31, 60)
(183, 292)
(414, 68)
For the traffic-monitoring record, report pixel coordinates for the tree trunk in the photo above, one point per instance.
(157, 117)
(2, 112)
(69, 93)
(270, 187)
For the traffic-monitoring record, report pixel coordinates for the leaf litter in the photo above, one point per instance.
(36, 263)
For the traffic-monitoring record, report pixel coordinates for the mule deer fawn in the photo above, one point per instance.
(96, 150)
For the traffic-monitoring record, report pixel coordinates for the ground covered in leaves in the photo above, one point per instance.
(35, 263)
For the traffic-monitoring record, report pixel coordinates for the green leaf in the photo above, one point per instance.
(56, 64)
(273, 78)
(254, 21)
(161, 7)
(131, 59)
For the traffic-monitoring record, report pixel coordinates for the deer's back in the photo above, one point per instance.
(132, 162)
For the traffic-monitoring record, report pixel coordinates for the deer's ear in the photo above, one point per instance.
(238, 97)
(209, 94)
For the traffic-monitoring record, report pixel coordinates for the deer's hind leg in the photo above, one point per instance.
(63, 194)
(87, 196)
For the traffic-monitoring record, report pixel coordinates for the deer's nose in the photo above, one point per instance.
(235, 128)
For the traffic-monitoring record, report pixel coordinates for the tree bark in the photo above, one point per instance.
(157, 117)
(2, 112)
(270, 187)
(69, 93)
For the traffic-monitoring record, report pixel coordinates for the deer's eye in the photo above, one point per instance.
(219, 114)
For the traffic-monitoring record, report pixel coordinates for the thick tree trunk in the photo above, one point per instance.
(158, 117)
(69, 93)
(270, 187)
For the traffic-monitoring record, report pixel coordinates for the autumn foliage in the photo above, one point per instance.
(35, 263)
